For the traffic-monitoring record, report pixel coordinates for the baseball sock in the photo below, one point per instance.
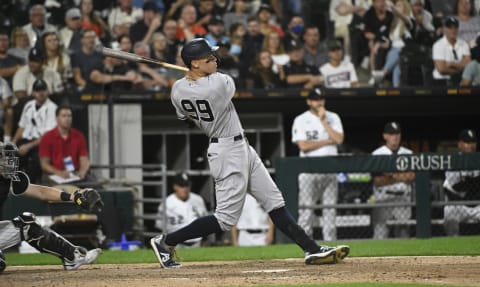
(284, 221)
(200, 227)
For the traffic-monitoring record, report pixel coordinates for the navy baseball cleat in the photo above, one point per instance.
(325, 255)
(81, 257)
(164, 252)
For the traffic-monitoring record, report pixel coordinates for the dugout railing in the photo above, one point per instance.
(425, 197)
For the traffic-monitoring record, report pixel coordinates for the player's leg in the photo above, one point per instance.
(9, 236)
(228, 166)
(264, 189)
(380, 216)
(329, 196)
(402, 214)
(48, 241)
(307, 194)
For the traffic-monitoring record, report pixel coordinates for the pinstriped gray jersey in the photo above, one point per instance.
(208, 102)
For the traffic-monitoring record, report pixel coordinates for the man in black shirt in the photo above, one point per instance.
(143, 29)
(299, 74)
(8, 63)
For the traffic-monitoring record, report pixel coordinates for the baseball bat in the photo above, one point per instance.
(139, 59)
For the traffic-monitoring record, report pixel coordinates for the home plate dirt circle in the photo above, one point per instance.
(434, 270)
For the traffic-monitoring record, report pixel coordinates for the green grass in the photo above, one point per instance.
(358, 285)
(468, 245)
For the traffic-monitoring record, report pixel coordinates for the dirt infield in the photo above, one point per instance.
(460, 270)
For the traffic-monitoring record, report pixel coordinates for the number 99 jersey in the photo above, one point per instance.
(207, 102)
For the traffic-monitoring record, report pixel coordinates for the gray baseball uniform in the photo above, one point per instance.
(234, 164)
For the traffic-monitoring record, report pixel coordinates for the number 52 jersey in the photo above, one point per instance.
(208, 102)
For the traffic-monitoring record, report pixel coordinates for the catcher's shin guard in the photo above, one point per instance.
(44, 240)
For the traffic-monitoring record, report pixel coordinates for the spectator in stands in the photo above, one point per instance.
(252, 44)
(55, 57)
(112, 74)
(338, 73)
(9, 64)
(392, 187)
(182, 207)
(317, 132)
(91, 20)
(469, 24)
(262, 75)
(450, 55)
(239, 14)
(143, 29)
(38, 117)
(274, 45)
(38, 23)
(71, 34)
(216, 31)
(122, 17)
(295, 29)
(125, 43)
(378, 21)
(299, 74)
(254, 227)
(158, 48)
(423, 18)
(63, 150)
(170, 32)
(84, 60)
(187, 28)
(462, 186)
(471, 73)
(266, 22)
(20, 47)
(6, 95)
(205, 13)
(237, 34)
(401, 29)
(343, 13)
(150, 78)
(315, 53)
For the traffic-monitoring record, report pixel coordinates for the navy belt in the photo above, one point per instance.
(235, 138)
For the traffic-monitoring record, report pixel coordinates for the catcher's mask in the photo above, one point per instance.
(9, 161)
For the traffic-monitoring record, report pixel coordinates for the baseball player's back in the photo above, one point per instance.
(207, 102)
(204, 97)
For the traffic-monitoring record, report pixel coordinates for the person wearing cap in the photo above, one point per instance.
(70, 36)
(122, 17)
(187, 28)
(38, 23)
(266, 21)
(338, 73)
(450, 55)
(391, 187)
(38, 117)
(143, 29)
(216, 32)
(462, 186)
(299, 74)
(182, 207)
(317, 132)
(471, 73)
(314, 51)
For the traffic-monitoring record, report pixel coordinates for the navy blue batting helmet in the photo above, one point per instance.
(196, 49)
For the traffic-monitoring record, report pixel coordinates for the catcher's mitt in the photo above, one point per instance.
(88, 199)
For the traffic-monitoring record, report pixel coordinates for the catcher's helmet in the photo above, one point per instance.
(196, 49)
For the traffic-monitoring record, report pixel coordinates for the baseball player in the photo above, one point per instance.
(183, 207)
(24, 227)
(254, 227)
(391, 187)
(203, 97)
(317, 132)
(462, 185)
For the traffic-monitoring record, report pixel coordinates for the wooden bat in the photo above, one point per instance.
(139, 59)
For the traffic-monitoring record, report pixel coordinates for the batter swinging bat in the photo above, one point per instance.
(139, 59)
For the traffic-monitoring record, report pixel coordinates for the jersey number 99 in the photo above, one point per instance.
(199, 111)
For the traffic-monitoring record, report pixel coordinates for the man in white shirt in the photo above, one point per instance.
(450, 55)
(183, 207)
(392, 187)
(38, 117)
(38, 24)
(338, 73)
(317, 132)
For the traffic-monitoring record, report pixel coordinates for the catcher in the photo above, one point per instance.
(24, 227)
